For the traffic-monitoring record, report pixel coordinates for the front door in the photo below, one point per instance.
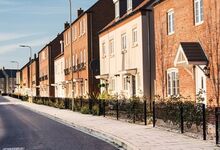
(200, 84)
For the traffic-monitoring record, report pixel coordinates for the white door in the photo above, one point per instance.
(201, 84)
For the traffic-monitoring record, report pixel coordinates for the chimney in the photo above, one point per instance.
(35, 56)
(80, 11)
(62, 46)
(66, 25)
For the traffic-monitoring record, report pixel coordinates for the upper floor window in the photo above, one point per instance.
(170, 21)
(172, 82)
(117, 9)
(198, 10)
(125, 83)
(84, 56)
(123, 42)
(103, 50)
(111, 47)
(134, 36)
(129, 4)
(81, 57)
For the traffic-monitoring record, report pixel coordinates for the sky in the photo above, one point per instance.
(34, 23)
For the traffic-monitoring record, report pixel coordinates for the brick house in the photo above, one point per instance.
(7, 80)
(85, 48)
(127, 50)
(59, 85)
(24, 82)
(187, 49)
(46, 66)
(34, 76)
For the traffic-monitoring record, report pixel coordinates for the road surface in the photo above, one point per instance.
(22, 129)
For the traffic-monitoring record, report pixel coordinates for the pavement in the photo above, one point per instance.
(22, 129)
(124, 135)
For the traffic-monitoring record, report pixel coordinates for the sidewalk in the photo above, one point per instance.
(126, 135)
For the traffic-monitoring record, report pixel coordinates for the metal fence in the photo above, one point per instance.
(187, 117)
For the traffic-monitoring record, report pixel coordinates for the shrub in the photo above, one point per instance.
(95, 110)
(39, 101)
(85, 110)
(61, 105)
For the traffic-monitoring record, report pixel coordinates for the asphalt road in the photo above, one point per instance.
(23, 129)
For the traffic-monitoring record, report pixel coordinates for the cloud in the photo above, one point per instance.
(13, 36)
(34, 43)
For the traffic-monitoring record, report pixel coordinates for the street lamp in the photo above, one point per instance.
(30, 48)
(71, 51)
(15, 62)
(27, 46)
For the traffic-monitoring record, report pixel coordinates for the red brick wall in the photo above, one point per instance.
(185, 31)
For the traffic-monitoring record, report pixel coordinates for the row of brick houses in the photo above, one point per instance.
(132, 48)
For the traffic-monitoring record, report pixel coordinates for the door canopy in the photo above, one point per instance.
(190, 53)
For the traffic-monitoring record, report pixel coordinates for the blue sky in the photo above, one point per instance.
(31, 22)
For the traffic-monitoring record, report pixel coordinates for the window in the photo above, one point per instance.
(134, 36)
(112, 84)
(111, 47)
(76, 59)
(73, 60)
(117, 9)
(80, 28)
(81, 56)
(75, 32)
(125, 83)
(129, 5)
(198, 10)
(84, 25)
(170, 17)
(172, 82)
(103, 50)
(84, 56)
(123, 42)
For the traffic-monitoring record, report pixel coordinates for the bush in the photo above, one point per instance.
(95, 110)
(61, 104)
(85, 110)
(39, 101)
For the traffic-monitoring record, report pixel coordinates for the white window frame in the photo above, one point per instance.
(103, 49)
(117, 9)
(126, 83)
(129, 5)
(111, 47)
(134, 36)
(198, 12)
(170, 22)
(173, 82)
(123, 42)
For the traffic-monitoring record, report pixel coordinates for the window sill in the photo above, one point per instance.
(199, 23)
(134, 44)
(124, 51)
(171, 33)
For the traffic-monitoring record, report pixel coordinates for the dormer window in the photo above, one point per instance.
(129, 5)
(117, 9)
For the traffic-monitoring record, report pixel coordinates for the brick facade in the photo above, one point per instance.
(85, 48)
(185, 30)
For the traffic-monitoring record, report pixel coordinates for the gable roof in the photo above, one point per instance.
(140, 7)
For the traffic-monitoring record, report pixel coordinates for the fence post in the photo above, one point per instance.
(145, 112)
(117, 110)
(181, 118)
(204, 121)
(104, 108)
(134, 112)
(216, 125)
(90, 105)
(154, 114)
(100, 107)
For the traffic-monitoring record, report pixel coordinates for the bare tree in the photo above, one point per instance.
(212, 44)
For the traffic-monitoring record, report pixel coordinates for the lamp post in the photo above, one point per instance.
(30, 48)
(71, 50)
(16, 62)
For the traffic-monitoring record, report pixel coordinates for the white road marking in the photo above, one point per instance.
(14, 148)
